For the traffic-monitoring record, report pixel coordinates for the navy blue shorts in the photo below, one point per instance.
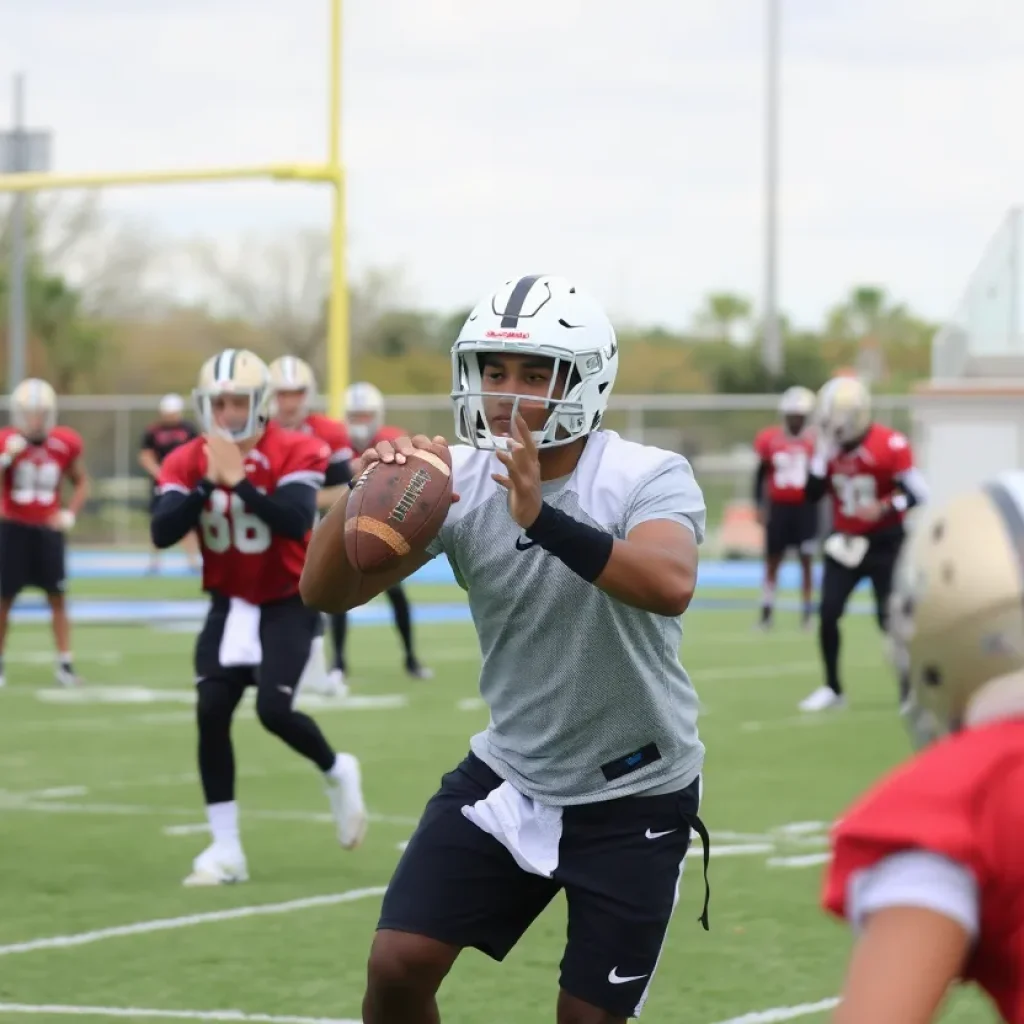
(620, 862)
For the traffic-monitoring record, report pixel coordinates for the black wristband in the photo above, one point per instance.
(584, 549)
(205, 487)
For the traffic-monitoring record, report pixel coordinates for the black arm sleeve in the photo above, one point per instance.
(148, 442)
(338, 473)
(290, 511)
(177, 514)
(815, 488)
(759, 481)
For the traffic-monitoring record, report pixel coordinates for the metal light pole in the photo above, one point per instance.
(21, 151)
(771, 342)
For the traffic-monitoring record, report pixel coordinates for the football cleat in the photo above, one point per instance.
(219, 864)
(823, 699)
(417, 671)
(345, 792)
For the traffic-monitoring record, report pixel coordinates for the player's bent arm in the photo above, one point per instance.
(148, 461)
(290, 511)
(330, 583)
(337, 481)
(80, 478)
(760, 479)
(177, 513)
(902, 966)
(817, 472)
(654, 568)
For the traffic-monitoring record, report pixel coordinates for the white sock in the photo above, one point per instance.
(63, 658)
(768, 595)
(341, 762)
(223, 820)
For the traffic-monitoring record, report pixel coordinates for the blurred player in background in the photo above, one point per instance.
(36, 456)
(249, 488)
(790, 521)
(869, 470)
(364, 417)
(293, 393)
(927, 867)
(578, 551)
(170, 431)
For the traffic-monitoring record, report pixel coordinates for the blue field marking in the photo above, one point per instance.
(111, 564)
(99, 611)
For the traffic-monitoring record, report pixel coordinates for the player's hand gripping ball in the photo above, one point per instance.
(402, 493)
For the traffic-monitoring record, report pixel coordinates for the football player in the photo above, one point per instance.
(784, 453)
(869, 470)
(250, 487)
(36, 456)
(927, 867)
(578, 551)
(364, 417)
(170, 431)
(293, 393)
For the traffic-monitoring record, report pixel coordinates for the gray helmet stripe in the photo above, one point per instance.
(510, 318)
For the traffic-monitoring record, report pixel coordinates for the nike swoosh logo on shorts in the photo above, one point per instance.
(658, 835)
(616, 979)
(524, 545)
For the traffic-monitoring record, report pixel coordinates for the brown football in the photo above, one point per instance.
(397, 510)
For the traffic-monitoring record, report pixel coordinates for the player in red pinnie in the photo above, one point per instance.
(364, 417)
(790, 521)
(249, 488)
(293, 391)
(869, 470)
(36, 456)
(928, 866)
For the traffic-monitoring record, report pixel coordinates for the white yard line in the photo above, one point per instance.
(781, 1013)
(229, 1016)
(29, 803)
(189, 921)
(806, 860)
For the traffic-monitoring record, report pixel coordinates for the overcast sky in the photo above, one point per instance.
(618, 143)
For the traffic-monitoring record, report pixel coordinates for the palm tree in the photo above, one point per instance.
(722, 314)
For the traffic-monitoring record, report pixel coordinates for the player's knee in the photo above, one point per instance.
(213, 706)
(274, 710)
(406, 967)
(575, 1011)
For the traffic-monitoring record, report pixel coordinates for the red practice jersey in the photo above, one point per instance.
(332, 433)
(867, 474)
(384, 434)
(241, 557)
(788, 459)
(960, 799)
(32, 482)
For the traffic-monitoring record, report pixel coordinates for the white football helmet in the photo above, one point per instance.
(289, 373)
(364, 413)
(796, 407)
(546, 317)
(956, 615)
(34, 400)
(235, 371)
(844, 410)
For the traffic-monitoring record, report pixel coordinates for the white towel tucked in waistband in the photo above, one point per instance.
(240, 641)
(529, 831)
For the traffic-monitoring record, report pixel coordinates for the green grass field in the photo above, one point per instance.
(101, 810)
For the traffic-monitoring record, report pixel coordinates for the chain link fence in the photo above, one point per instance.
(714, 431)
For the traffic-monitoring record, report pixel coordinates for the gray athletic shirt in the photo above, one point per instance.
(581, 688)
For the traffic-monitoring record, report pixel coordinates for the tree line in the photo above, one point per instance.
(114, 310)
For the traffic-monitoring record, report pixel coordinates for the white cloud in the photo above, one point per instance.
(618, 143)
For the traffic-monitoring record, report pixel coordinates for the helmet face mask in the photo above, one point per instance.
(292, 390)
(844, 411)
(554, 361)
(233, 395)
(364, 413)
(34, 409)
(796, 408)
